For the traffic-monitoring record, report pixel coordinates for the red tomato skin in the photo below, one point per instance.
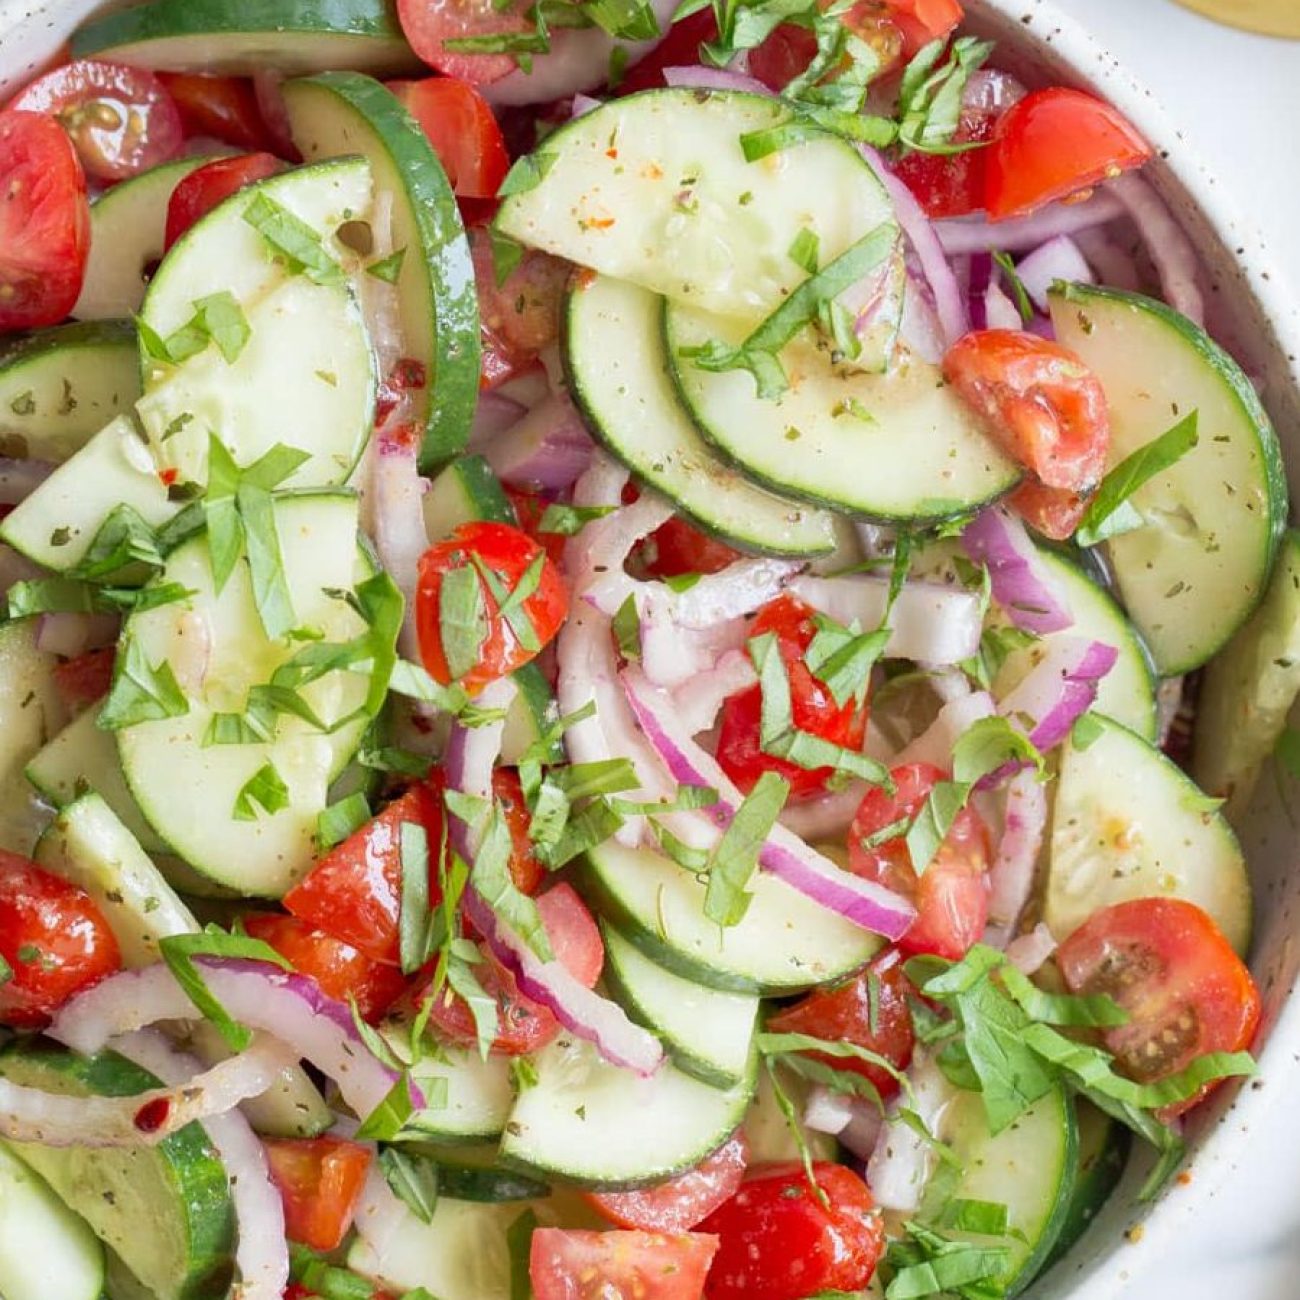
(777, 1241)
(337, 967)
(1166, 963)
(223, 108)
(525, 869)
(354, 891)
(320, 1182)
(682, 1202)
(206, 186)
(85, 679)
(54, 938)
(950, 185)
(951, 896)
(427, 24)
(529, 507)
(678, 548)
(44, 222)
(1054, 512)
(121, 119)
(739, 751)
(1043, 405)
(507, 552)
(842, 1013)
(575, 1264)
(521, 315)
(1054, 143)
(463, 130)
(923, 21)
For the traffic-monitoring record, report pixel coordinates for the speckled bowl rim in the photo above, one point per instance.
(1250, 297)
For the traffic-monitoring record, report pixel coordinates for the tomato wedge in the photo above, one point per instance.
(206, 186)
(44, 222)
(224, 108)
(121, 120)
(85, 679)
(682, 1202)
(572, 1264)
(678, 548)
(429, 24)
(320, 1181)
(1053, 144)
(54, 941)
(463, 130)
(778, 1241)
(1169, 966)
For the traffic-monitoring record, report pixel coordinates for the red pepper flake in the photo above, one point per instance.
(611, 153)
(153, 1115)
(168, 476)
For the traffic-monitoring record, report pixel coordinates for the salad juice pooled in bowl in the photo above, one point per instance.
(633, 642)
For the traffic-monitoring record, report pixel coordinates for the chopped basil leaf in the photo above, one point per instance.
(6, 971)
(1086, 731)
(804, 251)
(387, 1120)
(527, 173)
(787, 1045)
(491, 879)
(566, 521)
(842, 660)
(271, 592)
(1019, 294)
(984, 1218)
(123, 539)
(1103, 519)
(521, 43)
(413, 1180)
(629, 20)
(296, 243)
(462, 620)
(735, 857)
(70, 595)
(786, 1107)
(264, 790)
(482, 1005)
(886, 833)
(218, 318)
(388, 268)
(340, 819)
(930, 94)
(413, 915)
(507, 253)
(179, 951)
(510, 602)
(925, 1263)
(140, 692)
(321, 1278)
(627, 630)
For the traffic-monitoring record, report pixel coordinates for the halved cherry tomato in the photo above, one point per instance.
(429, 24)
(678, 548)
(575, 1264)
(85, 679)
(523, 1025)
(224, 108)
(54, 939)
(320, 1181)
(1053, 144)
(463, 131)
(870, 1010)
(1054, 512)
(507, 553)
(529, 507)
(814, 708)
(121, 120)
(788, 51)
(923, 21)
(44, 222)
(337, 967)
(354, 892)
(680, 46)
(526, 871)
(778, 1241)
(682, 1202)
(951, 895)
(1169, 966)
(206, 186)
(1044, 407)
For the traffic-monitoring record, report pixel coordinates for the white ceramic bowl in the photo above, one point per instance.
(1249, 314)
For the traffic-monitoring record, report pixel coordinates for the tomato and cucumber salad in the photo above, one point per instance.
(589, 665)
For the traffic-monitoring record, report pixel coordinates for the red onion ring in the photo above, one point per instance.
(1058, 689)
(1011, 875)
(1058, 259)
(959, 235)
(698, 77)
(1028, 595)
(935, 744)
(547, 449)
(400, 534)
(1171, 251)
(20, 478)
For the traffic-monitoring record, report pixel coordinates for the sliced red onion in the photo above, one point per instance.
(1011, 877)
(992, 91)
(382, 308)
(1058, 259)
(827, 818)
(916, 225)
(289, 1007)
(901, 1164)
(270, 104)
(15, 567)
(400, 534)
(1109, 258)
(978, 279)
(548, 449)
(1058, 689)
(996, 539)
(784, 854)
(595, 557)
(672, 654)
(582, 105)
(72, 634)
(979, 235)
(55, 1119)
(930, 622)
(1029, 951)
(1169, 699)
(698, 699)
(1000, 313)
(935, 744)
(20, 478)
(949, 684)
(472, 752)
(380, 1215)
(529, 387)
(860, 1135)
(827, 1111)
(699, 77)
(1171, 251)
(261, 1249)
(921, 329)
(494, 414)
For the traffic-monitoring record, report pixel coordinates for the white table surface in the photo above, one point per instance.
(1238, 99)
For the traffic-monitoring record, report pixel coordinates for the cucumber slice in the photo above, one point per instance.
(921, 456)
(1128, 823)
(618, 375)
(461, 1255)
(164, 1209)
(473, 1174)
(291, 36)
(1029, 1167)
(56, 524)
(305, 377)
(478, 1095)
(1192, 575)
(708, 1033)
(46, 1251)
(128, 227)
(592, 1124)
(784, 943)
(60, 386)
(1103, 1152)
(654, 189)
(1249, 688)
(87, 845)
(339, 113)
(1128, 692)
(186, 789)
